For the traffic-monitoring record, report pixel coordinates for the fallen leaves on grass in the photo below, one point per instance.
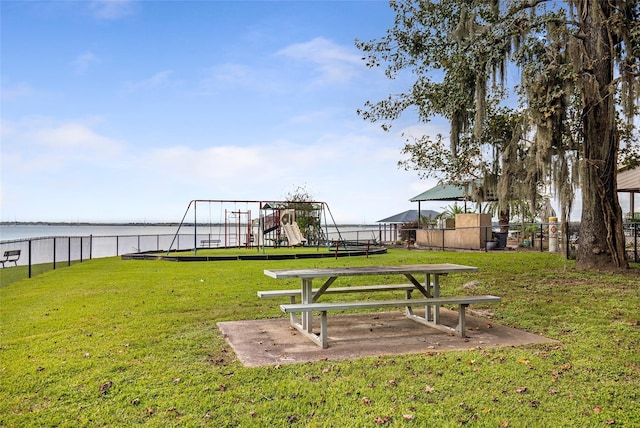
(382, 420)
(104, 388)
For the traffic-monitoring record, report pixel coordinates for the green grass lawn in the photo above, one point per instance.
(113, 342)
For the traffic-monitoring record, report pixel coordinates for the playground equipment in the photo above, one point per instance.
(291, 228)
(279, 223)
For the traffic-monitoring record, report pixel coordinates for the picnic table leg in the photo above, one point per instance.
(436, 293)
(428, 286)
(461, 327)
(306, 298)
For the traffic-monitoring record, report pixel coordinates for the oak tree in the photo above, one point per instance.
(564, 124)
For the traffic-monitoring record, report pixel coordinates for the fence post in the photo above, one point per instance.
(541, 237)
(90, 247)
(29, 258)
(69, 253)
(635, 241)
(54, 253)
(81, 249)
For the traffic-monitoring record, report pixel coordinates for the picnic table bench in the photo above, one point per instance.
(430, 290)
(11, 256)
(297, 293)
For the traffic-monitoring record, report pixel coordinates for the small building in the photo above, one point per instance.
(629, 182)
(467, 231)
(393, 223)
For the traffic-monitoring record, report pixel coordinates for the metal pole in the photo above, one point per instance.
(566, 240)
(69, 253)
(541, 226)
(30, 258)
(54, 253)
(635, 241)
(195, 228)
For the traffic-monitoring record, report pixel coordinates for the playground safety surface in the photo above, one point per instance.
(273, 341)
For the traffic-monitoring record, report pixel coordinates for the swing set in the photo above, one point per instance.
(278, 224)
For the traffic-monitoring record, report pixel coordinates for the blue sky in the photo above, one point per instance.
(127, 110)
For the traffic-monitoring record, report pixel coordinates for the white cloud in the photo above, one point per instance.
(334, 63)
(15, 91)
(159, 79)
(42, 143)
(82, 63)
(222, 77)
(230, 73)
(111, 9)
(74, 136)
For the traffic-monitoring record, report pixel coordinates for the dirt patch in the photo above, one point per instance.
(274, 341)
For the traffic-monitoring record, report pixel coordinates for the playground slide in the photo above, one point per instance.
(294, 236)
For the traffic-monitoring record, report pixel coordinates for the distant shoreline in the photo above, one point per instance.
(134, 224)
(68, 223)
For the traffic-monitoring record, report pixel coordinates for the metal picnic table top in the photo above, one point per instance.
(439, 268)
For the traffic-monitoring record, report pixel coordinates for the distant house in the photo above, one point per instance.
(408, 216)
(629, 182)
(393, 222)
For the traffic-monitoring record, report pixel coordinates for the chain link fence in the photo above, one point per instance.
(39, 255)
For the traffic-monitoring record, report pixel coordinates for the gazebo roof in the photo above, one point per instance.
(444, 192)
(408, 216)
(454, 192)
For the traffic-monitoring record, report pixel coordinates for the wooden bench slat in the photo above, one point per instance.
(338, 306)
(330, 290)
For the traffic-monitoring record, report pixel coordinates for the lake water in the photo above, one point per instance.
(11, 232)
(41, 243)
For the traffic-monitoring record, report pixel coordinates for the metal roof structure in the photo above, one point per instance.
(629, 180)
(408, 216)
(444, 192)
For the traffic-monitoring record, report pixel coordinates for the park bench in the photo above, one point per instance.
(11, 256)
(210, 242)
(323, 308)
(293, 294)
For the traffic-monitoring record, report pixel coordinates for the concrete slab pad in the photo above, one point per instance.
(274, 341)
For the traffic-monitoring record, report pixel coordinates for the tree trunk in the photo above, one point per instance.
(504, 215)
(602, 241)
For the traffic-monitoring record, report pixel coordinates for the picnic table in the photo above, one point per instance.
(429, 288)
